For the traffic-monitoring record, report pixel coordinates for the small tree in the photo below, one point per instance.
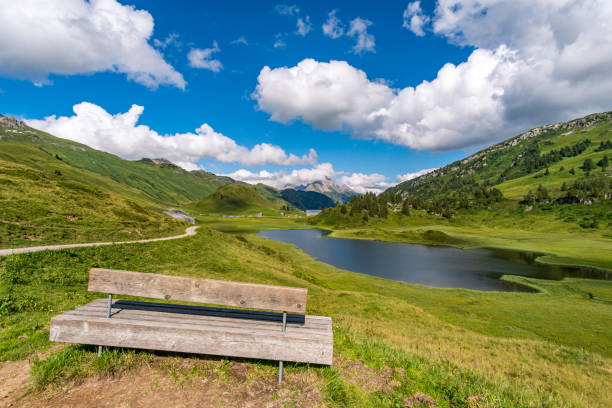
(588, 165)
(603, 163)
(406, 208)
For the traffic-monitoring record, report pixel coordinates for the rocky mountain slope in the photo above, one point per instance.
(328, 187)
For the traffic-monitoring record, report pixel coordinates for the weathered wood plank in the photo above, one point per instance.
(218, 292)
(230, 324)
(201, 340)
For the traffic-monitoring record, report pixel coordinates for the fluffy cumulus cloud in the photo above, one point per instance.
(202, 58)
(529, 67)
(68, 37)
(414, 19)
(121, 134)
(333, 27)
(336, 96)
(366, 183)
(283, 179)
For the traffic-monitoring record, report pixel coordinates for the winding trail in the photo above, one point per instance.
(188, 232)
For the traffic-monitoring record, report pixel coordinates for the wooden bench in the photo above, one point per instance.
(287, 336)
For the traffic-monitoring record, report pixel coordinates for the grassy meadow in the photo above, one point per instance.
(394, 342)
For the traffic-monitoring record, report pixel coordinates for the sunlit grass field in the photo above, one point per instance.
(461, 347)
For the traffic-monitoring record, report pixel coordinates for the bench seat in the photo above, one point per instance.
(198, 329)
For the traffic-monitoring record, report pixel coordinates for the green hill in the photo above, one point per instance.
(54, 190)
(237, 199)
(155, 180)
(307, 200)
(549, 156)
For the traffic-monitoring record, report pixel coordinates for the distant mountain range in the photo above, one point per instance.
(329, 188)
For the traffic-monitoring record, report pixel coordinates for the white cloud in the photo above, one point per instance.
(279, 43)
(530, 67)
(365, 41)
(69, 37)
(366, 183)
(286, 10)
(240, 40)
(333, 27)
(414, 19)
(410, 176)
(284, 179)
(303, 26)
(171, 39)
(358, 182)
(121, 135)
(202, 58)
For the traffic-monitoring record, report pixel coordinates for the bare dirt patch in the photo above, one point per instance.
(366, 378)
(14, 378)
(185, 382)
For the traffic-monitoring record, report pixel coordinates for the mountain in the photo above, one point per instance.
(307, 200)
(555, 177)
(551, 156)
(156, 180)
(328, 187)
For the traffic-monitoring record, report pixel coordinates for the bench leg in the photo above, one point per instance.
(108, 315)
(280, 363)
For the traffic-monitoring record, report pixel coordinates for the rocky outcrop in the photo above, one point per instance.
(7, 122)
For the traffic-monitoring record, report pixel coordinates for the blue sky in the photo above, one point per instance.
(374, 124)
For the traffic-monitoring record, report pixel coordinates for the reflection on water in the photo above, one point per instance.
(437, 266)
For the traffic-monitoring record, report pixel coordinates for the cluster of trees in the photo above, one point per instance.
(604, 145)
(363, 208)
(531, 160)
(587, 189)
(447, 205)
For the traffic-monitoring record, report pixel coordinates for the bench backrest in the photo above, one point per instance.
(182, 288)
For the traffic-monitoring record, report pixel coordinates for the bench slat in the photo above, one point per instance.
(200, 340)
(218, 292)
(117, 312)
(229, 326)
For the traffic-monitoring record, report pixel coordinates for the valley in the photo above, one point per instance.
(452, 346)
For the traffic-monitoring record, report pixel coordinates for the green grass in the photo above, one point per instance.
(40, 207)
(238, 199)
(460, 347)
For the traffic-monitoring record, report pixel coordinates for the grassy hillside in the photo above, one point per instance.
(547, 156)
(53, 190)
(153, 180)
(395, 344)
(307, 200)
(237, 199)
(42, 207)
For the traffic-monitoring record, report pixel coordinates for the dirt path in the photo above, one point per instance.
(188, 232)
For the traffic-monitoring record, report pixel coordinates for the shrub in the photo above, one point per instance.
(13, 270)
